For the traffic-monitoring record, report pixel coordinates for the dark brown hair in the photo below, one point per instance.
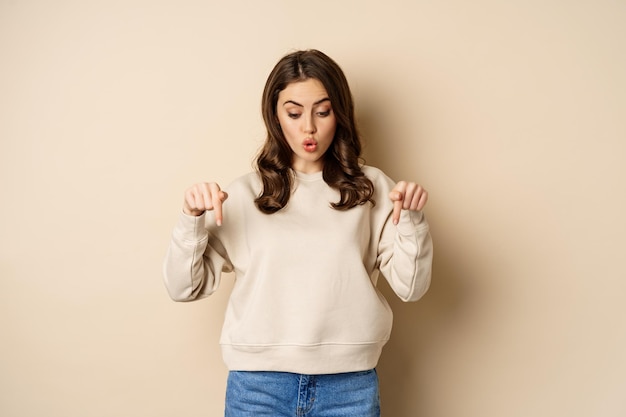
(342, 169)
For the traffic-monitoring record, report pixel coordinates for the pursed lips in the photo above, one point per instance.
(309, 144)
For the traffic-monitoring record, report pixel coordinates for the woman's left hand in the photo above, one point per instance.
(407, 196)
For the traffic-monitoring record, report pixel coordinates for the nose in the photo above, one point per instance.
(309, 124)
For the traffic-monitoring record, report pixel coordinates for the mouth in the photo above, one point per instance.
(309, 145)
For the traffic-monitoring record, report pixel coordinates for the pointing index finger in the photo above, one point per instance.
(397, 196)
(397, 209)
(216, 201)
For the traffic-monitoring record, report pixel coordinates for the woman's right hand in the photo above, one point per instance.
(202, 197)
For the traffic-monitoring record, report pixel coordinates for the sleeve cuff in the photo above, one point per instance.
(191, 228)
(410, 221)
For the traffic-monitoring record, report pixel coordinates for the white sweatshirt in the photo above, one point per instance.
(305, 297)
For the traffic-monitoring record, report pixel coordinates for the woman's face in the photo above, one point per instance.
(308, 123)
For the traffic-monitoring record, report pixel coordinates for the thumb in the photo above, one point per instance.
(395, 195)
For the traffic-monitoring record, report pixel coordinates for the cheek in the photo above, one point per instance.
(331, 129)
(288, 130)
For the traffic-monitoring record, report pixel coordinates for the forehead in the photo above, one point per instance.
(303, 92)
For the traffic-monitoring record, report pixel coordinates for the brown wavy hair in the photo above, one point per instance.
(342, 161)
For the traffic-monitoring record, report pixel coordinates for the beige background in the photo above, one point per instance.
(512, 114)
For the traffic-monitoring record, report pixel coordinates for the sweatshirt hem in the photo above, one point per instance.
(304, 359)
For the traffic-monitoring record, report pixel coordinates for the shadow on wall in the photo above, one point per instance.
(419, 333)
(419, 329)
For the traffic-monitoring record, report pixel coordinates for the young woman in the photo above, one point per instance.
(306, 236)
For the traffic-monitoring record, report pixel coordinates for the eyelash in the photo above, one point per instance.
(320, 114)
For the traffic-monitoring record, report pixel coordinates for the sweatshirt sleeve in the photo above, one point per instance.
(405, 250)
(405, 255)
(194, 260)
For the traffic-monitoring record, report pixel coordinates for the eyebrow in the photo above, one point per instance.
(300, 105)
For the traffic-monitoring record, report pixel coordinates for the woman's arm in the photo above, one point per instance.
(195, 259)
(406, 250)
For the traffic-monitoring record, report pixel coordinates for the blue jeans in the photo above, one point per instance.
(283, 394)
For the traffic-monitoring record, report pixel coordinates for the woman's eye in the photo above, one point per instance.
(324, 113)
(293, 115)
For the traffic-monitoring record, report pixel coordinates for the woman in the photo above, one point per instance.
(306, 236)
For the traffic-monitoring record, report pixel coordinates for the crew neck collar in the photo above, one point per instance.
(313, 176)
